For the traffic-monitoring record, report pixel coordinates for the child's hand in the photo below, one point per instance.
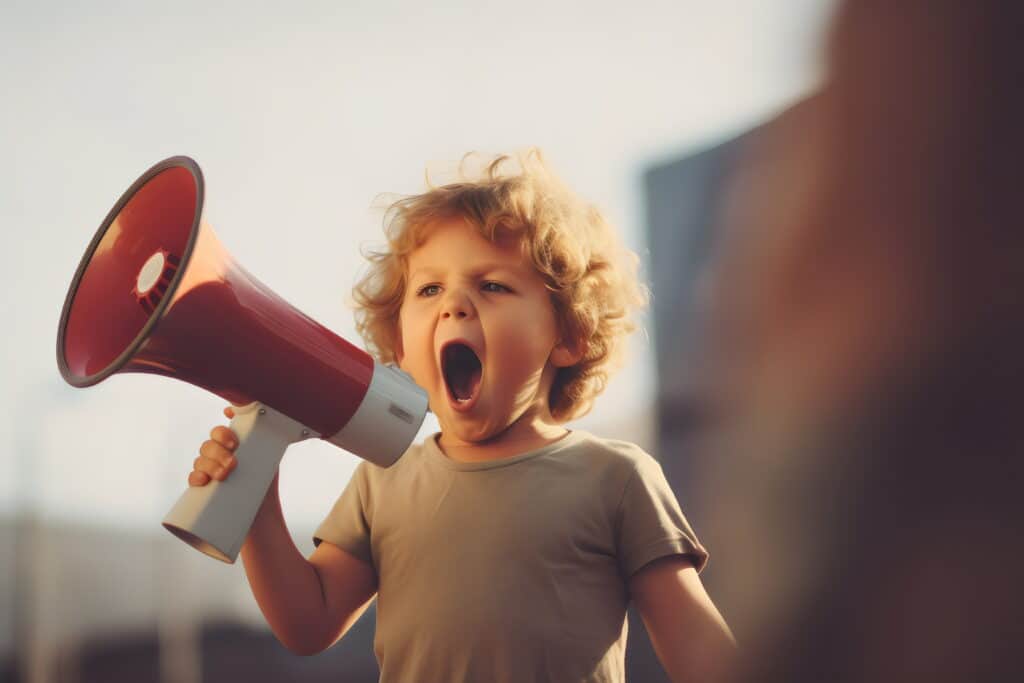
(216, 456)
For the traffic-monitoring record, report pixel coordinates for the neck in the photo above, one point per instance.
(529, 432)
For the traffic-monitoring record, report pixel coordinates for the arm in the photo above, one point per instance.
(309, 604)
(689, 635)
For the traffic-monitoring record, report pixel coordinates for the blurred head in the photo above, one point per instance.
(869, 335)
(883, 233)
(522, 211)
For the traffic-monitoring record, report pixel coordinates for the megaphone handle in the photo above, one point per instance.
(215, 518)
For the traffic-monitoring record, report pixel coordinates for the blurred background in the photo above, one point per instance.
(300, 117)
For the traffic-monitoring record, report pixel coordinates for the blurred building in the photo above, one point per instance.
(90, 604)
(690, 202)
(686, 199)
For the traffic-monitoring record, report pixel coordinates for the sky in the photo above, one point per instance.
(301, 116)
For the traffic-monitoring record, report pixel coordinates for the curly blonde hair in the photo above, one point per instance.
(591, 276)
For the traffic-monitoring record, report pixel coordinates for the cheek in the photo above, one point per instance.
(417, 354)
(527, 341)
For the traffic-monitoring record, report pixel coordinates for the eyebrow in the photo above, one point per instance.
(430, 271)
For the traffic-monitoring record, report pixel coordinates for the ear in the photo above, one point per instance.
(567, 353)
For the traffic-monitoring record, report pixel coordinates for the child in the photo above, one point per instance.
(506, 547)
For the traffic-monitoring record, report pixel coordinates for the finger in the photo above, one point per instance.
(214, 469)
(198, 478)
(225, 437)
(213, 451)
(205, 466)
(229, 411)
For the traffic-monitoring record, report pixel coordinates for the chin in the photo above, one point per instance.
(469, 431)
(469, 434)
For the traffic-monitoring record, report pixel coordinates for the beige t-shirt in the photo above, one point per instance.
(511, 570)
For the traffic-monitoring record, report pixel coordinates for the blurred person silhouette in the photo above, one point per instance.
(869, 360)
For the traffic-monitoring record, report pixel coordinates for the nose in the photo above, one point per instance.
(457, 305)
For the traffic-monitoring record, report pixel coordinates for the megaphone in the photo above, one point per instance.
(156, 292)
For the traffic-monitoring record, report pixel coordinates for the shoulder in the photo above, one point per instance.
(621, 461)
(378, 487)
(370, 475)
(615, 453)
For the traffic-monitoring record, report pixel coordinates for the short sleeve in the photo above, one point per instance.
(651, 525)
(346, 525)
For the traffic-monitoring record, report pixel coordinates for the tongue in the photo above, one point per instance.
(461, 371)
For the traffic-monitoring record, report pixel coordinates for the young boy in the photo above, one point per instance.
(506, 547)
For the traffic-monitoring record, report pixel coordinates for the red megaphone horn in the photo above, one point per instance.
(156, 292)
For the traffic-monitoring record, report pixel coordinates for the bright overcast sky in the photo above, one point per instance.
(300, 114)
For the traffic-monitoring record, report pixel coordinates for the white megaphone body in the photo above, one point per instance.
(156, 292)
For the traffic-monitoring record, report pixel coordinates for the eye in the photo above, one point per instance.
(491, 286)
(428, 290)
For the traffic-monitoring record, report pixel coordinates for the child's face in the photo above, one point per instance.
(478, 332)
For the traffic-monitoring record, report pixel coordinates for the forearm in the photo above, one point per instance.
(286, 586)
(706, 654)
(688, 633)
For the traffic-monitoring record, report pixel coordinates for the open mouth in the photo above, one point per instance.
(462, 371)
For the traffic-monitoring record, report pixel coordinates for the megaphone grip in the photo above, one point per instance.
(215, 518)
